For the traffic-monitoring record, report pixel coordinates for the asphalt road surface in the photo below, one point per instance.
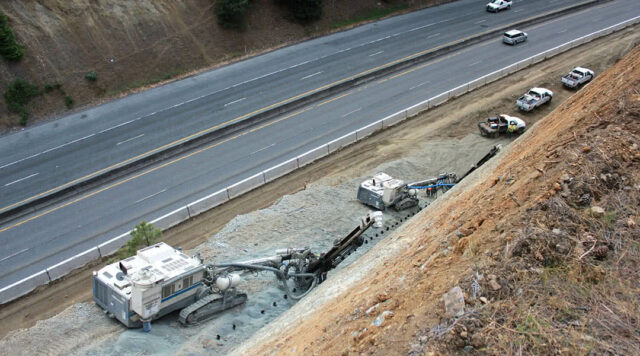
(47, 237)
(40, 159)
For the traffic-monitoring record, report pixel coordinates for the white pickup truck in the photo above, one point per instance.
(577, 77)
(534, 98)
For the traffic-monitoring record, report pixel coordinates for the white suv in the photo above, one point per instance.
(513, 37)
(497, 5)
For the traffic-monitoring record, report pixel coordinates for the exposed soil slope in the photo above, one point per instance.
(134, 43)
(543, 242)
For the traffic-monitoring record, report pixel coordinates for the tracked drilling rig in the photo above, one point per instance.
(160, 279)
(383, 191)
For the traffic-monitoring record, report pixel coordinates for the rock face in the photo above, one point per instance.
(454, 302)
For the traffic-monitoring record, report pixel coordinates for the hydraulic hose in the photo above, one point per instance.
(280, 275)
(433, 186)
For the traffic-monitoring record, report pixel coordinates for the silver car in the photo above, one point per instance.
(514, 37)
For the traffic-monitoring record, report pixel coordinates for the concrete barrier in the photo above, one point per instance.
(23, 286)
(110, 247)
(343, 141)
(418, 108)
(171, 219)
(280, 170)
(245, 185)
(575, 43)
(593, 36)
(620, 26)
(582, 40)
(509, 69)
(538, 58)
(545, 54)
(553, 52)
(565, 47)
(368, 130)
(457, 91)
(209, 202)
(439, 100)
(474, 84)
(68, 265)
(394, 119)
(524, 63)
(492, 77)
(313, 155)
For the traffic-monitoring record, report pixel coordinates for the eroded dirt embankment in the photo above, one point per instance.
(543, 242)
(136, 43)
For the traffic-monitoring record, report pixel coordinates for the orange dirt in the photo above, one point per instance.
(559, 277)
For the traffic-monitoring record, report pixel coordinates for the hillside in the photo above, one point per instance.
(542, 242)
(132, 44)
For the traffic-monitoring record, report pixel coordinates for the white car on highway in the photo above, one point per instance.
(513, 37)
(497, 5)
(534, 98)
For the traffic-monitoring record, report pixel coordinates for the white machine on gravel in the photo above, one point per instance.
(533, 98)
(160, 279)
(383, 191)
(577, 77)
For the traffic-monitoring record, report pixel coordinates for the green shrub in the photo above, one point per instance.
(18, 95)
(231, 13)
(304, 10)
(68, 101)
(23, 118)
(49, 87)
(9, 47)
(144, 234)
(91, 76)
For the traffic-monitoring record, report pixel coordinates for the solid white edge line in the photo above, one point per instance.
(21, 179)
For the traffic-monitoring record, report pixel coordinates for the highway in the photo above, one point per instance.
(39, 240)
(45, 158)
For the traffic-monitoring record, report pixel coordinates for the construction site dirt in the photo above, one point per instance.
(310, 207)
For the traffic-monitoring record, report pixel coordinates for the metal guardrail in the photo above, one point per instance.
(218, 198)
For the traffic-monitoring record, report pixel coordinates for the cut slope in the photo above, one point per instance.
(548, 238)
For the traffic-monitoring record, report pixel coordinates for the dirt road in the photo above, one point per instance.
(438, 140)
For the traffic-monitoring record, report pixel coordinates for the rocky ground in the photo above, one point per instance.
(318, 205)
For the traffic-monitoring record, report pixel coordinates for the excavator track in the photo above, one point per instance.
(209, 306)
